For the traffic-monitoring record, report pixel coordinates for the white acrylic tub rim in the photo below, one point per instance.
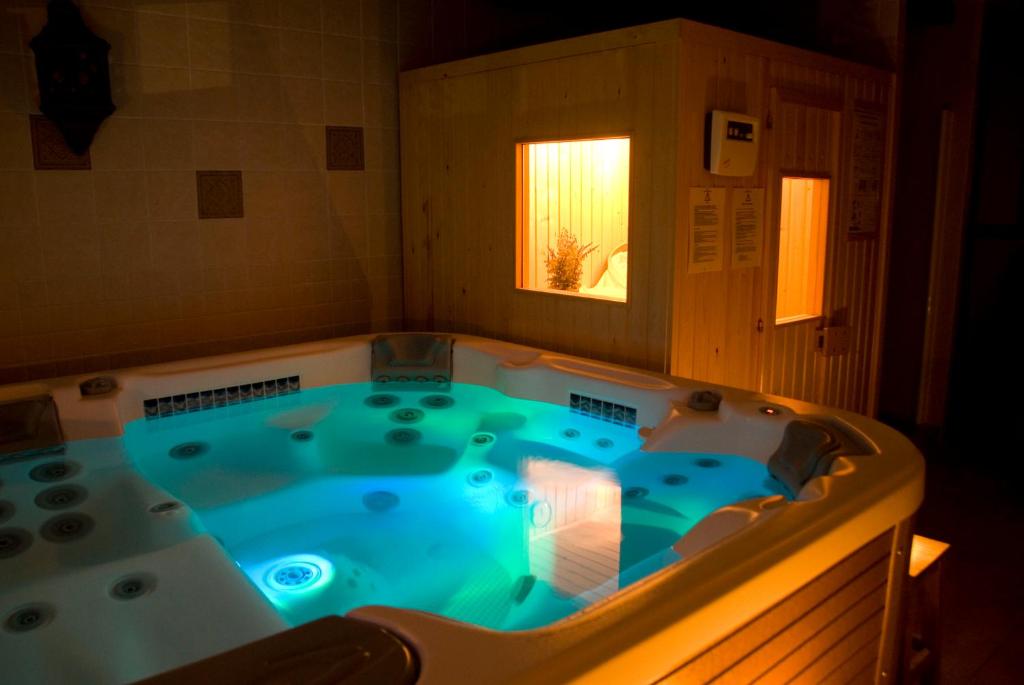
(644, 631)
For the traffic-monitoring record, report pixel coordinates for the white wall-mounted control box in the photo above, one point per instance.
(730, 143)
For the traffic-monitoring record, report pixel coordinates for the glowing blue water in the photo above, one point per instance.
(501, 512)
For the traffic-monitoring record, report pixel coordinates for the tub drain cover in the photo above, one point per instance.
(61, 497)
(29, 618)
(293, 575)
(14, 541)
(53, 471)
(189, 450)
(302, 436)
(67, 527)
(437, 401)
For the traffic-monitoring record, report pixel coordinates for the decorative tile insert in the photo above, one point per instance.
(619, 414)
(345, 148)
(219, 194)
(50, 150)
(199, 400)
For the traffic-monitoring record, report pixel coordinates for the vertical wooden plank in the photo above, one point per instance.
(504, 252)
(882, 249)
(890, 654)
(418, 116)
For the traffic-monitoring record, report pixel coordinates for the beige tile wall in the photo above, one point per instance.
(111, 267)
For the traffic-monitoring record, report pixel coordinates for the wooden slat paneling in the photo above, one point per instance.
(793, 368)
(806, 140)
(836, 641)
(460, 125)
(820, 630)
(459, 206)
(857, 668)
(715, 314)
(867, 584)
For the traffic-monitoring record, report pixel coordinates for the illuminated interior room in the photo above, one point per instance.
(572, 226)
(414, 341)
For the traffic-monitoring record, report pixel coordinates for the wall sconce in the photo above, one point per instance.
(73, 75)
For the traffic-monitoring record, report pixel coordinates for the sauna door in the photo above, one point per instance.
(803, 144)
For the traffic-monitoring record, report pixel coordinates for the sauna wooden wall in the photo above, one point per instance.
(460, 124)
(461, 121)
(716, 313)
(853, 265)
(715, 320)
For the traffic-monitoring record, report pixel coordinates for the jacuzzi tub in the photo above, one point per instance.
(553, 519)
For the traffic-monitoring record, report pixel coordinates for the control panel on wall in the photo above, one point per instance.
(730, 143)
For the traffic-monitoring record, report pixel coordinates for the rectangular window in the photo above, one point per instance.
(802, 234)
(572, 217)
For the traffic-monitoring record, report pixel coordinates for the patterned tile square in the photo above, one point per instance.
(49, 150)
(219, 194)
(345, 148)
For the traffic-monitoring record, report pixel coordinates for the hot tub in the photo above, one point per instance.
(515, 515)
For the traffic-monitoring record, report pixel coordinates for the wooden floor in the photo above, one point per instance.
(975, 502)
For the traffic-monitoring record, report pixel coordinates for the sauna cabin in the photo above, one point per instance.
(673, 196)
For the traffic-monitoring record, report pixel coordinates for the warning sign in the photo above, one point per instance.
(747, 226)
(865, 213)
(706, 206)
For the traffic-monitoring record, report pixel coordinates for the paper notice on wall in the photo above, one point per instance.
(706, 206)
(865, 211)
(747, 226)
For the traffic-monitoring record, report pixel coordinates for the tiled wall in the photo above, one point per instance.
(111, 267)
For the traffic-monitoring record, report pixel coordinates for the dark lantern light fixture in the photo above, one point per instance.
(73, 74)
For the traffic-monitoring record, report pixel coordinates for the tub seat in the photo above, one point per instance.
(89, 542)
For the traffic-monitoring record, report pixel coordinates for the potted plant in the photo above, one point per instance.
(565, 265)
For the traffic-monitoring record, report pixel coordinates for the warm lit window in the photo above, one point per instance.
(804, 227)
(572, 217)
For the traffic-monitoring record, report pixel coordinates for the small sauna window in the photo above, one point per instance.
(572, 217)
(802, 234)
